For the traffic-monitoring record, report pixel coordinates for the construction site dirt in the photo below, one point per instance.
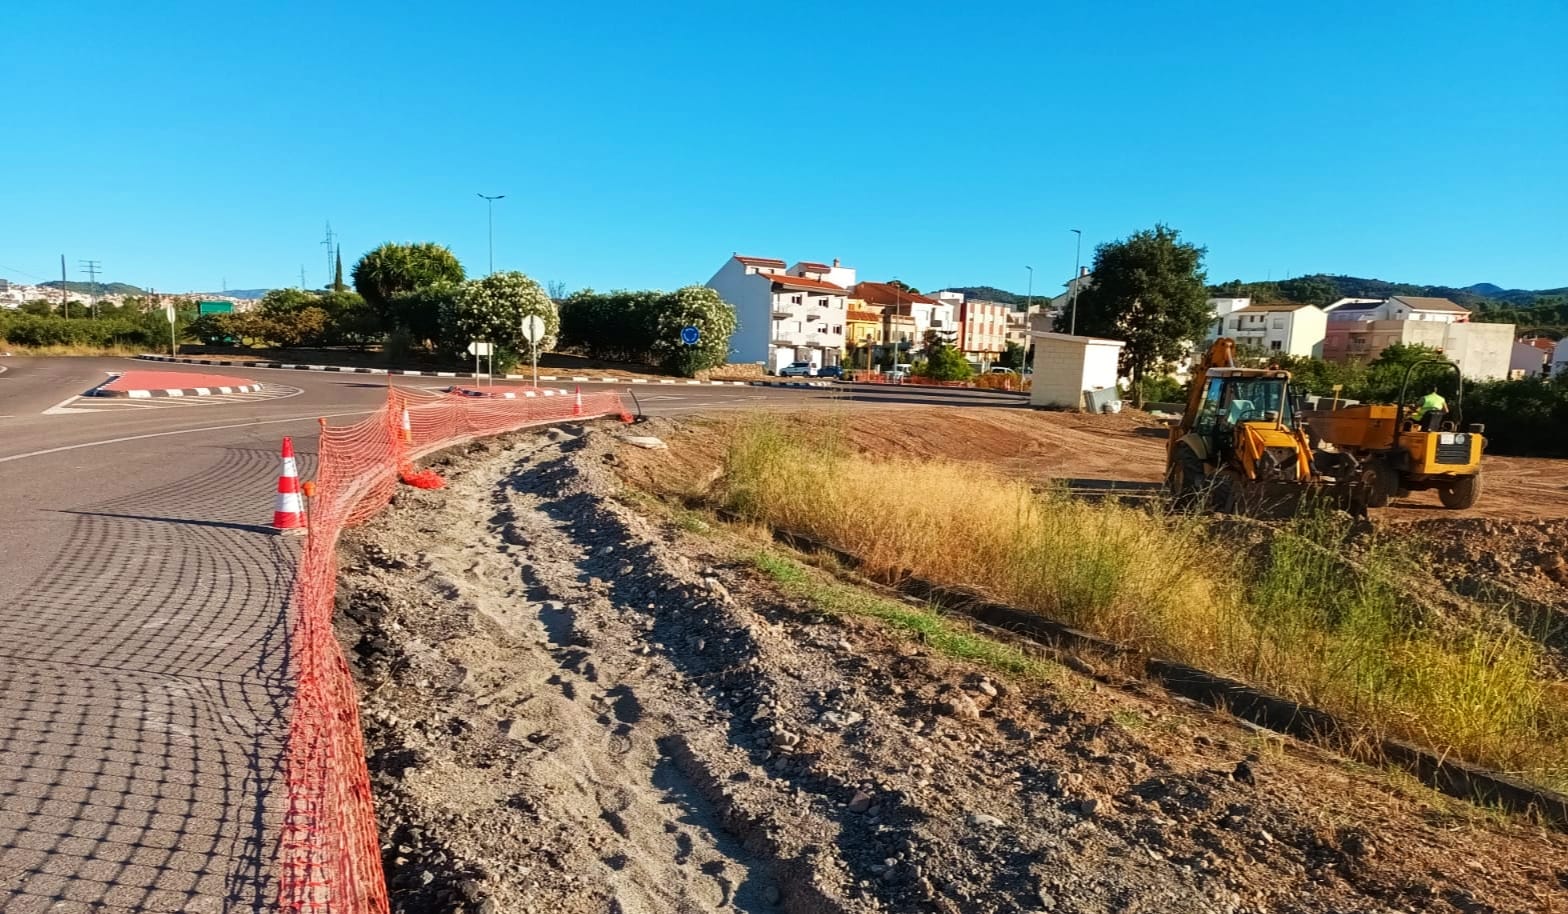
(574, 703)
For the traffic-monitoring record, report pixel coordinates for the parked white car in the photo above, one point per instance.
(797, 370)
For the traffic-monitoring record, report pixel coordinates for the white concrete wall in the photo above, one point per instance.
(1482, 350)
(1560, 359)
(750, 294)
(1305, 329)
(1528, 359)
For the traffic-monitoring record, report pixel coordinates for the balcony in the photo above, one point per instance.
(783, 309)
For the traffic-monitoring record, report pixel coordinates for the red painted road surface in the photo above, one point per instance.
(172, 380)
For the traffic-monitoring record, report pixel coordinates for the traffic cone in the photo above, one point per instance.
(288, 515)
(408, 430)
(578, 409)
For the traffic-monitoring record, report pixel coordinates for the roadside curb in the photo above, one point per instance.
(480, 394)
(174, 391)
(786, 383)
(401, 372)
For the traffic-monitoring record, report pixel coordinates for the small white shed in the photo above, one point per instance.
(1065, 366)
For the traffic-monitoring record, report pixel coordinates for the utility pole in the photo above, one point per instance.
(65, 294)
(331, 251)
(490, 220)
(302, 277)
(1077, 268)
(92, 267)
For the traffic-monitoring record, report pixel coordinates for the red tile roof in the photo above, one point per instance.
(759, 261)
(813, 267)
(802, 282)
(882, 293)
(869, 317)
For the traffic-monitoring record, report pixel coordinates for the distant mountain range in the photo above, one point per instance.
(122, 288)
(1323, 288)
(102, 288)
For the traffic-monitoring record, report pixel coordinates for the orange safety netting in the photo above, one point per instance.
(329, 854)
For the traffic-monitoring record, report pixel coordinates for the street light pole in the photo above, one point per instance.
(1072, 329)
(490, 220)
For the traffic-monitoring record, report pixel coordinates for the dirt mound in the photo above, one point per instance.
(571, 707)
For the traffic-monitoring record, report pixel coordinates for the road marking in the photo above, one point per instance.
(81, 404)
(183, 431)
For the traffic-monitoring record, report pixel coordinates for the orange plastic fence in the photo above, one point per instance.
(329, 855)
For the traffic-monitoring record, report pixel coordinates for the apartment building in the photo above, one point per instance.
(785, 314)
(982, 330)
(1360, 329)
(1286, 328)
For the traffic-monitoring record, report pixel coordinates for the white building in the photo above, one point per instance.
(1559, 365)
(1286, 328)
(1065, 367)
(1398, 308)
(784, 315)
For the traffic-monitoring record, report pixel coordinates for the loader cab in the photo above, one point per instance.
(1232, 396)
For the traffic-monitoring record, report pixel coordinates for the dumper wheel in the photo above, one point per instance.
(1184, 482)
(1463, 493)
(1381, 482)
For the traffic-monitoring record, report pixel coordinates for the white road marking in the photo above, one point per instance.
(183, 431)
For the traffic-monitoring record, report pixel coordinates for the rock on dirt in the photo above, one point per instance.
(564, 716)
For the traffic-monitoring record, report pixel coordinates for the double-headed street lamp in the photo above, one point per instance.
(490, 218)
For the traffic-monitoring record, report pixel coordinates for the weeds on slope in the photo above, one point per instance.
(1292, 616)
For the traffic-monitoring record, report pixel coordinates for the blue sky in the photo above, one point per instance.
(639, 144)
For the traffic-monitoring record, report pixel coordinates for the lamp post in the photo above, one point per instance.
(1072, 329)
(490, 220)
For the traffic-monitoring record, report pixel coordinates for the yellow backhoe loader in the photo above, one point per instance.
(1240, 446)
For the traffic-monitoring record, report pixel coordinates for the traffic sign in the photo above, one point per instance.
(690, 336)
(478, 347)
(168, 311)
(533, 328)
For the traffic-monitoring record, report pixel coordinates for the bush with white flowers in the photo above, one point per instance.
(492, 310)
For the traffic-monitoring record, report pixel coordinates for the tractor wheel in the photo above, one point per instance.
(1229, 493)
(1184, 481)
(1463, 493)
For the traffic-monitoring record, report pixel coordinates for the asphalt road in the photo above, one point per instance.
(143, 624)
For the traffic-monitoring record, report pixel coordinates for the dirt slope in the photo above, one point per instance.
(572, 707)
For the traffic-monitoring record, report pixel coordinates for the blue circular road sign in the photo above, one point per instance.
(689, 336)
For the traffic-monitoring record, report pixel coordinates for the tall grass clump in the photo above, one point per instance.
(1292, 613)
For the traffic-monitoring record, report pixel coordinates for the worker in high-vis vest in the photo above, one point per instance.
(1431, 403)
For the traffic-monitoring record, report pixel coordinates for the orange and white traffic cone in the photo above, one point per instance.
(288, 514)
(408, 429)
(578, 409)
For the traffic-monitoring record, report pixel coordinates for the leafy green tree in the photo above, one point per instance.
(492, 309)
(393, 268)
(418, 311)
(945, 363)
(1313, 290)
(1013, 356)
(692, 306)
(616, 326)
(1148, 291)
(337, 272)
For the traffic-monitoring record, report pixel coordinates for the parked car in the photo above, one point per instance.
(998, 369)
(901, 371)
(830, 371)
(797, 370)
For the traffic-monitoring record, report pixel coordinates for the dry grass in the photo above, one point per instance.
(1290, 616)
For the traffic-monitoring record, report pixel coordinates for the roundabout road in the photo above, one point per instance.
(143, 622)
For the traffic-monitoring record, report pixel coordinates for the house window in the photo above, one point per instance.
(1274, 345)
(1279, 323)
(794, 299)
(838, 328)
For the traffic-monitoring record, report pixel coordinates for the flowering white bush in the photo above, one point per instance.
(492, 309)
(693, 306)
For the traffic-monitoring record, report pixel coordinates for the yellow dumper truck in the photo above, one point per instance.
(1392, 451)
